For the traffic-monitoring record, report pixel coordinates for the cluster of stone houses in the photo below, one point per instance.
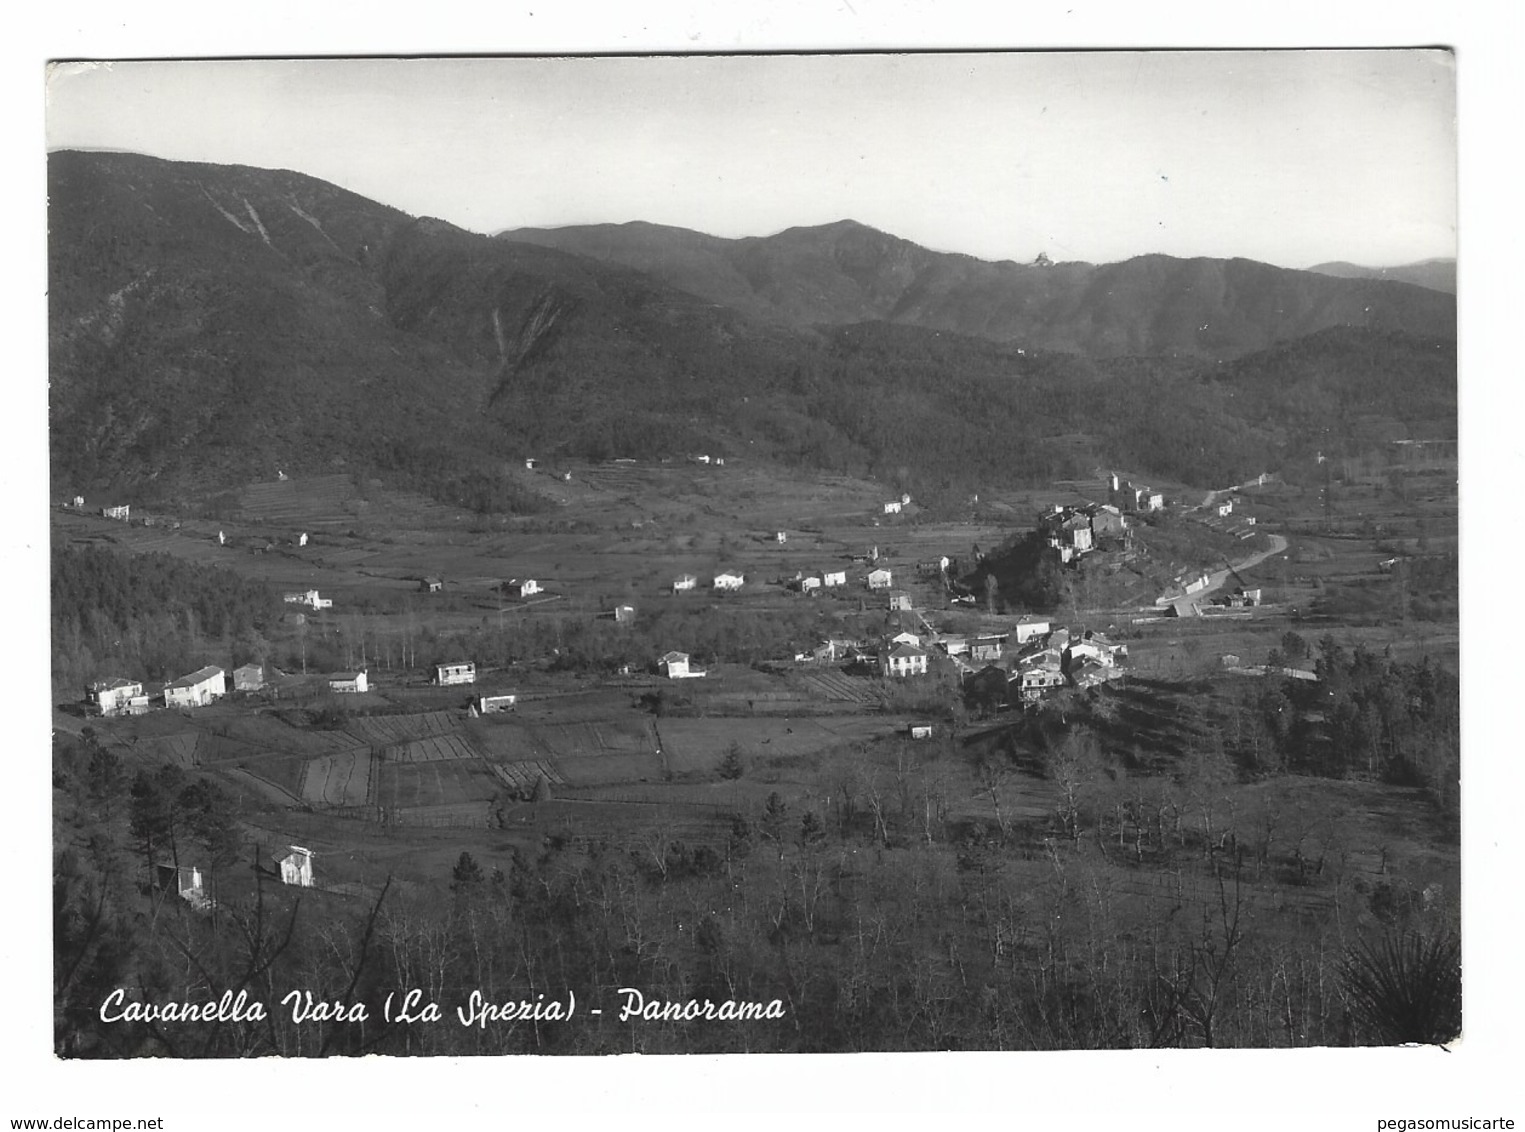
(1133, 498)
(1056, 659)
(1075, 531)
(1025, 663)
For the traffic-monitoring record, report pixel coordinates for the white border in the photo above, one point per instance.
(1306, 1089)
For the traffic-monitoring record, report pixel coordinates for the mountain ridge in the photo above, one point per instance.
(846, 272)
(209, 325)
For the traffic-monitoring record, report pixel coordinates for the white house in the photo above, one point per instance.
(1038, 678)
(187, 882)
(117, 696)
(781, 536)
(900, 600)
(456, 672)
(196, 690)
(834, 578)
(347, 682)
(296, 866)
(624, 614)
(524, 587)
(880, 579)
(248, 678)
(121, 511)
(308, 598)
(903, 660)
(674, 666)
(892, 507)
(730, 580)
(810, 583)
(1226, 508)
(987, 647)
(491, 705)
(1028, 628)
(833, 648)
(79, 502)
(684, 582)
(302, 539)
(906, 638)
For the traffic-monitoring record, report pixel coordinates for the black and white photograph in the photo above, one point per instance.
(701, 552)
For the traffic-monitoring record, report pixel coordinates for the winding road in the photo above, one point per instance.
(1216, 579)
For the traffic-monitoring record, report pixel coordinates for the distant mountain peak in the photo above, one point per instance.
(1437, 273)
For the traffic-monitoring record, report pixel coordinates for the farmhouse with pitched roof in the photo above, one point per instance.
(118, 696)
(196, 690)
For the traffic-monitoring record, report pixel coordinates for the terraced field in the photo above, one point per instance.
(517, 740)
(437, 749)
(381, 730)
(831, 684)
(452, 815)
(447, 782)
(524, 775)
(313, 502)
(342, 779)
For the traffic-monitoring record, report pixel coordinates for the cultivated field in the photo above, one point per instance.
(338, 780)
(379, 730)
(698, 745)
(438, 749)
(445, 782)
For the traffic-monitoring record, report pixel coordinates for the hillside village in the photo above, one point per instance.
(1033, 655)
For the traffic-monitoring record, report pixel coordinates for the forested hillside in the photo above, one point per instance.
(153, 615)
(1158, 305)
(212, 325)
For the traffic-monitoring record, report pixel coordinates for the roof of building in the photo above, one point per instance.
(337, 677)
(668, 658)
(908, 650)
(200, 676)
(112, 684)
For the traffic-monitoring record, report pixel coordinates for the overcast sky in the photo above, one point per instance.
(1289, 157)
